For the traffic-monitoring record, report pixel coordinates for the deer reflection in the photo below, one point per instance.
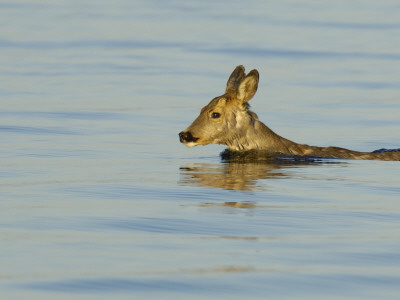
(231, 176)
(239, 174)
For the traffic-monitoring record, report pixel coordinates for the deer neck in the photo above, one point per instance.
(258, 136)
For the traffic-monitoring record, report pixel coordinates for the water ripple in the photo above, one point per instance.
(109, 44)
(119, 285)
(299, 54)
(36, 130)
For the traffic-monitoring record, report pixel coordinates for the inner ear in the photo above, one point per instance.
(248, 87)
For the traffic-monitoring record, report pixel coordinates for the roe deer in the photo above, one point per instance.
(227, 120)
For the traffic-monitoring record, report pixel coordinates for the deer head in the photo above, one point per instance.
(226, 118)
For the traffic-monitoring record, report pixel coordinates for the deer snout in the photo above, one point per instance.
(186, 137)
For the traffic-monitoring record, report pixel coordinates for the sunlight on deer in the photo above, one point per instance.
(227, 120)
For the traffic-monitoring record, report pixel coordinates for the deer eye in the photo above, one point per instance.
(215, 115)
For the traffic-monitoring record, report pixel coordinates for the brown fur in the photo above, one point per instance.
(227, 120)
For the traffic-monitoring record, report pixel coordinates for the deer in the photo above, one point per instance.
(228, 120)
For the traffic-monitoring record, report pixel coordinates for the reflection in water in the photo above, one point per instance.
(234, 174)
(245, 204)
(231, 176)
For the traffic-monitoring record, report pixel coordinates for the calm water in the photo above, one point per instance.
(98, 198)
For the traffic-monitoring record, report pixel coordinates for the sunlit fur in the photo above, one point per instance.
(239, 128)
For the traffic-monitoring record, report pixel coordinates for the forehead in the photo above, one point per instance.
(216, 102)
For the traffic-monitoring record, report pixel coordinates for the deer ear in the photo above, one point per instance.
(235, 79)
(248, 87)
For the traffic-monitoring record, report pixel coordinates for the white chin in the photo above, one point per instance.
(190, 144)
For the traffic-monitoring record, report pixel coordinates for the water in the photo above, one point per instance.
(99, 199)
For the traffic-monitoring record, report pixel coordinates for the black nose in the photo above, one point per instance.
(186, 137)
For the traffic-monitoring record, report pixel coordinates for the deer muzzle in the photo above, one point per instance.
(187, 137)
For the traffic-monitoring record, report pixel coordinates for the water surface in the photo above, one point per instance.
(99, 199)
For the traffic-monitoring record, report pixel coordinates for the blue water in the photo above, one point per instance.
(99, 199)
